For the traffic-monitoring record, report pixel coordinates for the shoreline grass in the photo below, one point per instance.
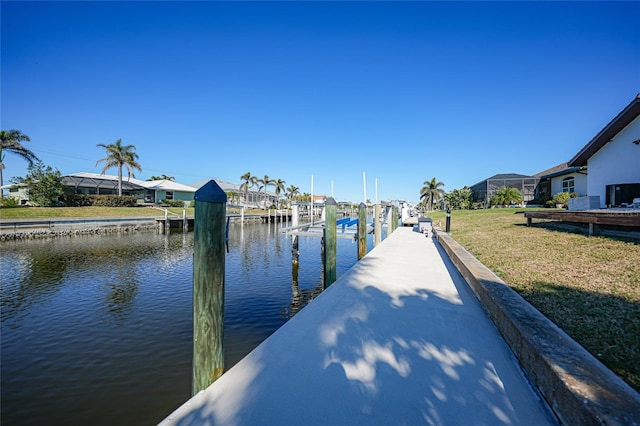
(588, 286)
(90, 211)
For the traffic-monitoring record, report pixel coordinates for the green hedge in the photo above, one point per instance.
(173, 203)
(76, 200)
(113, 200)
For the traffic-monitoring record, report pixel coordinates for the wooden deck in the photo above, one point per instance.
(626, 217)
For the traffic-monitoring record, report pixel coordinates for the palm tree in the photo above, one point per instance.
(249, 181)
(11, 141)
(505, 196)
(279, 187)
(119, 155)
(163, 177)
(266, 181)
(431, 192)
(292, 191)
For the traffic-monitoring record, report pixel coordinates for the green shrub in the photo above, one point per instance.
(113, 200)
(173, 203)
(561, 198)
(9, 202)
(76, 200)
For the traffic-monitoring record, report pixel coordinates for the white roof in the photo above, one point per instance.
(164, 185)
(88, 175)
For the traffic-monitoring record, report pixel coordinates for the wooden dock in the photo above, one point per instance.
(178, 222)
(594, 218)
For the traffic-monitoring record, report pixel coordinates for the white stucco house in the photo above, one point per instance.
(612, 159)
(572, 180)
(561, 178)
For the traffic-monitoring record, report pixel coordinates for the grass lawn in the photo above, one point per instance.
(588, 286)
(55, 212)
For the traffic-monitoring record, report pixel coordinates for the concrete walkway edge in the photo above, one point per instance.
(578, 387)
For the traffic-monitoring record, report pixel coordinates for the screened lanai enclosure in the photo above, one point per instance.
(94, 184)
(484, 191)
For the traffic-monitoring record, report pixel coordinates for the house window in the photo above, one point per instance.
(169, 195)
(568, 185)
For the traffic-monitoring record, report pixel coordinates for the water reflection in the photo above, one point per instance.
(299, 297)
(34, 271)
(98, 329)
(121, 293)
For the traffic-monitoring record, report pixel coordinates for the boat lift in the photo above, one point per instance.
(347, 228)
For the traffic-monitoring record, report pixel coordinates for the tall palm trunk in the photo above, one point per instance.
(120, 180)
(1, 180)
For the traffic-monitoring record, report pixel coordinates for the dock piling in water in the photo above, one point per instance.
(330, 235)
(389, 214)
(377, 225)
(209, 243)
(294, 215)
(362, 230)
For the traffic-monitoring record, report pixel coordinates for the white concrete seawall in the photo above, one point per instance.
(399, 339)
(50, 227)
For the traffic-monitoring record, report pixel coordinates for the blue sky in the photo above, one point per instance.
(403, 91)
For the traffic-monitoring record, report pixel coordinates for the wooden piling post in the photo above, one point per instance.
(208, 285)
(330, 236)
(394, 218)
(398, 217)
(389, 221)
(362, 230)
(377, 225)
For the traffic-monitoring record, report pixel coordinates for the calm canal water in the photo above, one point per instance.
(97, 329)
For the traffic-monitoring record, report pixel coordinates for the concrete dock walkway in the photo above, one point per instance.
(400, 339)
